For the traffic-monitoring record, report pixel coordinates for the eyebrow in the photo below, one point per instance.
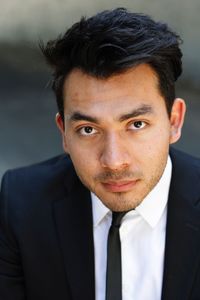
(78, 116)
(142, 110)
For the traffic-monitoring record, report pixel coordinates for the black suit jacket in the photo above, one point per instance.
(46, 234)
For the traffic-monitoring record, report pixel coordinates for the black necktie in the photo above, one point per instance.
(114, 269)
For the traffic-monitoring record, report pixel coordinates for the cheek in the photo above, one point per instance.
(160, 139)
(153, 150)
(153, 143)
(81, 151)
(85, 163)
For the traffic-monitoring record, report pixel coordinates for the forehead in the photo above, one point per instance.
(135, 86)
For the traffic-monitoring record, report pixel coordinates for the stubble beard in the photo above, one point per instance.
(122, 201)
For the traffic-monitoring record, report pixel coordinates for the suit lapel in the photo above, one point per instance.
(73, 218)
(182, 251)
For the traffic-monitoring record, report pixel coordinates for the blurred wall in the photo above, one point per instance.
(27, 107)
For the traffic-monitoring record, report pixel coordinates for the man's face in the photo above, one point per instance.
(117, 133)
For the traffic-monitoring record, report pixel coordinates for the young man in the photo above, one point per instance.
(114, 77)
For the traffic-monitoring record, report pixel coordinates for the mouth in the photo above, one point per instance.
(119, 186)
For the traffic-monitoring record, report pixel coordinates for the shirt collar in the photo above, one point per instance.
(99, 210)
(150, 209)
(153, 205)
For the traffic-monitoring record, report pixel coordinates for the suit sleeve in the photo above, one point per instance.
(11, 272)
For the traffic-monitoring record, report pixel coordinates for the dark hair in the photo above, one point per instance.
(111, 42)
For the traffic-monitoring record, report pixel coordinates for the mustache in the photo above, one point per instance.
(118, 175)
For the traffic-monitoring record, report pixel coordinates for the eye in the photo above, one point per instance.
(87, 130)
(137, 125)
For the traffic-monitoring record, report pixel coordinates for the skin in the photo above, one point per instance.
(117, 133)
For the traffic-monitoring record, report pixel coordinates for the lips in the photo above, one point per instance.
(119, 186)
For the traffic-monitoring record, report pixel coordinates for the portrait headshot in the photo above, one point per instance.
(116, 214)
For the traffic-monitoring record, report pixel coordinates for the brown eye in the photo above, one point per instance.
(87, 131)
(137, 125)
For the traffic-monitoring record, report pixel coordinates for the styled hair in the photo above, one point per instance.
(111, 42)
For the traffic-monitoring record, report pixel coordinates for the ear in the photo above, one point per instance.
(177, 119)
(61, 127)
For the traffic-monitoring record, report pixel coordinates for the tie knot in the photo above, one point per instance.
(117, 217)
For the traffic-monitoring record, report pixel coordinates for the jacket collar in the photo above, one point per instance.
(73, 218)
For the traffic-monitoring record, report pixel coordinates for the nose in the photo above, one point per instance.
(114, 155)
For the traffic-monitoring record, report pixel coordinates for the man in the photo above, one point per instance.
(114, 77)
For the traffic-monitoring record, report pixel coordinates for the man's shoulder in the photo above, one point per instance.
(45, 168)
(184, 160)
(27, 194)
(185, 180)
(38, 176)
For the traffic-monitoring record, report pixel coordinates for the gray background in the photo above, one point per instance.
(27, 106)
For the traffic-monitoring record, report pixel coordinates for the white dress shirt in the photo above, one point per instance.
(142, 235)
